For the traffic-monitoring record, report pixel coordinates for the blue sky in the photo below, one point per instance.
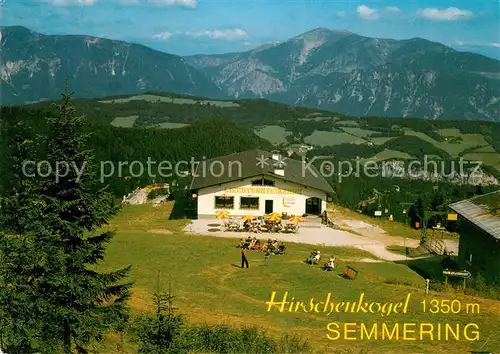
(187, 27)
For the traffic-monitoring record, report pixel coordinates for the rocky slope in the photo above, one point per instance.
(345, 72)
(34, 66)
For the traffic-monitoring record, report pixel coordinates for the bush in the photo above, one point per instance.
(157, 335)
(484, 288)
(165, 333)
(223, 339)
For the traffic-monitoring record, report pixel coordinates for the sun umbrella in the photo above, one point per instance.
(222, 214)
(296, 219)
(249, 217)
(273, 216)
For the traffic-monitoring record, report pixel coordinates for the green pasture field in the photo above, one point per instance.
(211, 288)
(124, 122)
(154, 98)
(491, 159)
(273, 133)
(485, 149)
(449, 132)
(168, 125)
(381, 140)
(387, 154)
(350, 123)
(363, 133)
(324, 138)
(468, 141)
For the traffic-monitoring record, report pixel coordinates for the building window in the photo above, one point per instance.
(223, 202)
(249, 203)
(263, 182)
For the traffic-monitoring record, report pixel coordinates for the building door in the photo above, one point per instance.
(269, 207)
(313, 206)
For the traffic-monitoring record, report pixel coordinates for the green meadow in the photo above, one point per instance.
(210, 288)
(124, 122)
(324, 138)
(273, 133)
(175, 100)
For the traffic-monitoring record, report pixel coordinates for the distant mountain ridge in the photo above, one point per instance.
(356, 75)
(332, 70)
(34, 67)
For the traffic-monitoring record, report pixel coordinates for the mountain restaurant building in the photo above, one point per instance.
(479, 247)
(258, 182)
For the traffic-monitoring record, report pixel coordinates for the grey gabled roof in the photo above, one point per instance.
(480, 214)
(294, 171)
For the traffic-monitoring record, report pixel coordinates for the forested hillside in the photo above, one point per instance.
(205, 139)
(133, 128)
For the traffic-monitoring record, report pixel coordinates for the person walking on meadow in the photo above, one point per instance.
(266, 257)
(244, 260)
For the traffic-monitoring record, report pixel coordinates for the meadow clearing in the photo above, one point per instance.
(211, 288)
(124, 122)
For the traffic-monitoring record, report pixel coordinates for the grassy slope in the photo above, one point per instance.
(211, 289)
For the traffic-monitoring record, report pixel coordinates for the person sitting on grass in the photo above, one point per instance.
(256, 245)
(281, 249)
(330, 265)
(312, 256)
(317, 257)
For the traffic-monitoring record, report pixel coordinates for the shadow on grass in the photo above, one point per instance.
(428, 268)
(183, 209)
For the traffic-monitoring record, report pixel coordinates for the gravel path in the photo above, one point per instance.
(309, 233)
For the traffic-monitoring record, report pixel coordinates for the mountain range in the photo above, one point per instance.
(34, 67)
(332, 70)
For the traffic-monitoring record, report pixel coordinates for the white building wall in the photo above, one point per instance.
(286, 196)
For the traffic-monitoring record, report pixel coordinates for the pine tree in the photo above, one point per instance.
(19, 256)
(157, 334)
(73, 304)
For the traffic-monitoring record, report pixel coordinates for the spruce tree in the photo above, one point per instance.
(72, 303)
(158, 333)
(19, 256)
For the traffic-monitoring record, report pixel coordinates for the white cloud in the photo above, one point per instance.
(340, 13)
(191, 4)
(219, 34)
(162, 35)
(459, 43)
(392, 9)
(72, 2)
(449, 14)
(367, 13)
